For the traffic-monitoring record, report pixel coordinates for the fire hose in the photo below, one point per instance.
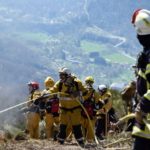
(58, 93)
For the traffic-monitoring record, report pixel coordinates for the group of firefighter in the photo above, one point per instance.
(68, 106)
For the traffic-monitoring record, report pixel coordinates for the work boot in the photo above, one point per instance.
(81, 144)
(61, 142)
(55, 135)
(100, 137)
(26, 131)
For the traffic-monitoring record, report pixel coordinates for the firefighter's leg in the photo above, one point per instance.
(84, 126)
(78, 134)
(33, 124)
(76, 123)
(56, 127)
(69, 132)
(63, 125)
(49, 124)
(100, 127)
(27, 123)
(90, 131)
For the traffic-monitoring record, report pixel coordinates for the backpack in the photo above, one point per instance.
(55, 106)
(52, 106)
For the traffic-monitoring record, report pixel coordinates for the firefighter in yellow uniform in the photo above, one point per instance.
(70, 89)
(52, 107)
(33, 116)
(106, 113)
(141, 130)
(130, 99)
(91, 99)
(128, 96)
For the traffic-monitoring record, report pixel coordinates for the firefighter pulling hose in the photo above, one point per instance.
(70, 105)
(76, 103)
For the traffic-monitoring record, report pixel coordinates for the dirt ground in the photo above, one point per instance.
(21, 141)
(114, 144)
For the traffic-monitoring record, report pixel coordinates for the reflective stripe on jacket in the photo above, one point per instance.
(141, 133)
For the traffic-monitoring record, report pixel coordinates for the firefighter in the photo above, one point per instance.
(70, 89)
(33, 116)
(91, 99)
(128, 96)
(52, 110)
(141, 22)
(106, 113)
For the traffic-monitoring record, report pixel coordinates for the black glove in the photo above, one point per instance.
(36, 102)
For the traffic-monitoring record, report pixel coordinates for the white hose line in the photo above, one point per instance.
(12, 107)
(20, 104)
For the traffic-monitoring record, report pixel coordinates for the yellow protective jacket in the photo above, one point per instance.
(91, 100)
(106, 97)
(143, 88)
(68, 100)
(143, 130)
(91, 93)
(128, 92)
(33, 96)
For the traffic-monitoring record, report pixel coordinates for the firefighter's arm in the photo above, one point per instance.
(81, 87)
(98, 105)
(29, 101)
(107, 102)
(143, 107)
(82, 91)
(55, 88)
(34, 98)
(86, 95)
(145, 103)
(147, 73)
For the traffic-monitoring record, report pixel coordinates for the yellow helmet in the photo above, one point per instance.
(89, 79)
(49, 82)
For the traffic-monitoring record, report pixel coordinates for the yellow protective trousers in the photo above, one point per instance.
(72, 117)
(33, 120)
(88, 131)
(51, 124)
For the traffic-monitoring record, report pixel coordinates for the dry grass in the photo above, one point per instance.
(121, 141)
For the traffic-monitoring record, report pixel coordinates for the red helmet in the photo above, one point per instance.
(34, 85)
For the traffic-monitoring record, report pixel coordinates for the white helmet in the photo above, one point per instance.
(65, 70)
(141, 21)
(102, 88)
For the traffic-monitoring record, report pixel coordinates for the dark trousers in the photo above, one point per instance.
(141, 144)
(101, 123)
(100, 126)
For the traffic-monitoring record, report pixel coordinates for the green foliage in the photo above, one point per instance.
(107, 52)
(88, 46)
(34, 36)
(118, 103)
